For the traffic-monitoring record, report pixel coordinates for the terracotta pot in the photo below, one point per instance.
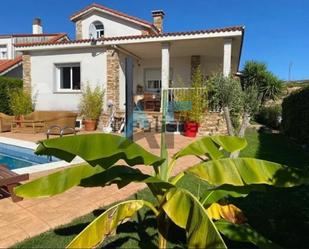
(191, 129)
(90, 125)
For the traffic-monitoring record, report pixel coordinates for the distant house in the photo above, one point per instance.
(56, 71)
(11, 59)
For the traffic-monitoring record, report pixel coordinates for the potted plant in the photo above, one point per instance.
(198, 97)
(90, 106)
(21, 104)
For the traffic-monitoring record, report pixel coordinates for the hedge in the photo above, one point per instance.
(269, 116)
(7, 85)
(295, 115)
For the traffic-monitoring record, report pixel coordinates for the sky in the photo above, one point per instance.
(276, 31)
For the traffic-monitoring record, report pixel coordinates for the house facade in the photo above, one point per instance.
(11, 59)
(55, 72)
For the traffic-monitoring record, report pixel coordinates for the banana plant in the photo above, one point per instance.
(205, 218)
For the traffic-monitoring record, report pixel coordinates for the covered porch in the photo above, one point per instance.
(167, 63)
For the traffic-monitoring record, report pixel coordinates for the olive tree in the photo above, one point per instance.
(236, 101)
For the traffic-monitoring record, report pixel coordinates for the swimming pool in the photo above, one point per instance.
(16, 157)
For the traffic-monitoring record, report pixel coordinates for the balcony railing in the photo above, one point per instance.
(185, 94)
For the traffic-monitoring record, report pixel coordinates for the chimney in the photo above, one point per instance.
(158, 16)
(37, 26)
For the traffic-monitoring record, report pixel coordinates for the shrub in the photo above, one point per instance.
(20, 102)
(198, 96)
(91, 103)
(270, 116)
(8, 85)
(295, 115)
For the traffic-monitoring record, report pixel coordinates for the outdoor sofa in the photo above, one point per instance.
(5, 122)
(38, 120)
(51, 118)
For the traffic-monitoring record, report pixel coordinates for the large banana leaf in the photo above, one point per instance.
(227, 212)
(247, 171)
(98, 149)
(209, 146)
(230, 143)
(244, 233)
(58, 182)
(186, 212)
(212, 196)
(107, 222)
(122, 175)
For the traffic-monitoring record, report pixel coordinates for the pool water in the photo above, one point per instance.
(16, 157)
(14, 163)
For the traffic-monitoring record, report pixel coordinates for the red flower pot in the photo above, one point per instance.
(191, 129)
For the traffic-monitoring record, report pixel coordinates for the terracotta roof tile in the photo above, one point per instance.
(31, 35)
(116, 12)
(7, 64)
(117, 38)
(196, 32)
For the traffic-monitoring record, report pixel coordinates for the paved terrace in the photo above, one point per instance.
(25, 219)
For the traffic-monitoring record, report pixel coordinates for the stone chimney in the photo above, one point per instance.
(158, 16)
(37, 26)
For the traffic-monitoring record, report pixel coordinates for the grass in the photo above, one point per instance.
(281, 215)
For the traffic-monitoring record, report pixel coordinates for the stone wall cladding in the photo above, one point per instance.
(112, 87)
(158, 22)
(78, 30)
(27, 72)
(213, 124)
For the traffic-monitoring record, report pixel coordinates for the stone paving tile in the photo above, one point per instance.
(33, 225)
(10, 230)
(13, 239)
(28, 218)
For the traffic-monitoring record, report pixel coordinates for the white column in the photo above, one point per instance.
(227, 57)
(165, 66)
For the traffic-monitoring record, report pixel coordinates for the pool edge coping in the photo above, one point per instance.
(38, 167)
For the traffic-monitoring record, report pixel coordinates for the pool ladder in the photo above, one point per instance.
(56, 130)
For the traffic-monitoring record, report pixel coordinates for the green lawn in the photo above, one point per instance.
(281, 215)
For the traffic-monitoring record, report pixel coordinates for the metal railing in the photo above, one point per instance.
(178, 94)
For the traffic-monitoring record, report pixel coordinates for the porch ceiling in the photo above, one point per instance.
(210, 47)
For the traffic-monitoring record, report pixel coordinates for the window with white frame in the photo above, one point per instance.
(96, 30)
(68, 77)
(3, 52)
(153, 81)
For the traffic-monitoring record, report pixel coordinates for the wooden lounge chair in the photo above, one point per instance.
(9, 180)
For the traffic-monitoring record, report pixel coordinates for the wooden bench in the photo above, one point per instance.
(9, 180)
(33, 126)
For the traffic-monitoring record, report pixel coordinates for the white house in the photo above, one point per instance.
(11, 59)
(56, 71)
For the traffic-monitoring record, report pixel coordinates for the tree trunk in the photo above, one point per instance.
(227, 116)
(242, 130)
(244, 124)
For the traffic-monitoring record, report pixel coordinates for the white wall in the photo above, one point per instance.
(8, 42)
(93, 70)
(112, 26)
